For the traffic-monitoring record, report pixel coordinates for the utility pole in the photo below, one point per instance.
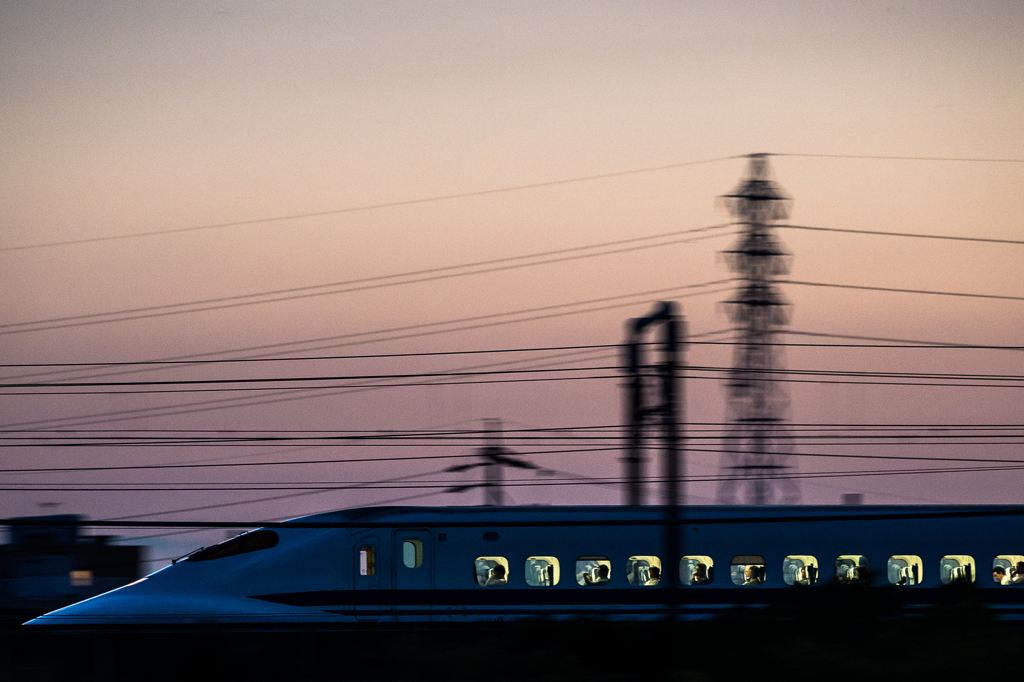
(665, 412)
(494, 457)
(757, 441)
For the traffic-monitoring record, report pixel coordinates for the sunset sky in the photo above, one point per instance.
(160, 155)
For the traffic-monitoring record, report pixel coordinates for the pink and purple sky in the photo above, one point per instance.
(122, 120)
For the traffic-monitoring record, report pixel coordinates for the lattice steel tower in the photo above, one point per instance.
(757, 441)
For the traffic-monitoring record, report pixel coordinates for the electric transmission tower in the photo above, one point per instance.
(494, 457)
(757, 440)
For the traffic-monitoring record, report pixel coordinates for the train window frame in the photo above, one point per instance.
(688, 570)
(488, 564)
(594, 580)
(950, 574)
(243, 543)
(1008, 562)
(368, 560)
(853, 569)
(911, 561)
(803, 575)
(551, 571)
(639, 570)
(746, 561)
(412, 552)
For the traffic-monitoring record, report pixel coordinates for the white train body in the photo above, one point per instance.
(461, 564)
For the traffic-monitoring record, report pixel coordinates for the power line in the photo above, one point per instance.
(164, 364)
(902, 291)
(485, 192)
(478, 322)
(589, 449)
(229, 403)
(766, 375)
(367, 356)
(524, 483)
(371, 207)
(947, 237)
(905, 343)
(351, 286)
(878, 157)
(350, 377)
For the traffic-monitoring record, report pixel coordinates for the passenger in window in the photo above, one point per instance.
(654, 576)
(601, 579)
(999, 575)
(1017, 574)
(497, 577)
(752, 575)
(700, 575)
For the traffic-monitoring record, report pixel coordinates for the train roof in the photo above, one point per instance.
(623, 513)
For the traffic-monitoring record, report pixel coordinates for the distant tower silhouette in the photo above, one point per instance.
(757, 440)
(494, 457)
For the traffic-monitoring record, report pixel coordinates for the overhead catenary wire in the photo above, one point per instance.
(865, 378)
(228, 403)
(514, 483)
(586, 449)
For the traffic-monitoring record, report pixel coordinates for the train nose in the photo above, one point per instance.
(106, 607)
(149, 603)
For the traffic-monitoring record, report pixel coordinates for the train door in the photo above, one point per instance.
(413, 561)
(367, 563)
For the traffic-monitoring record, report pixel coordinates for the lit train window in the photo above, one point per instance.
(747, 569)
(541, 571)
(251, 541)
(643, 571)
(367, 560)
(696, 570)
(412, 553)
(853, 568)
(1008, 569)
(81, 578)
(593, 570)
(957, 568)
(800, 569)
(491, 571)
(904, 569)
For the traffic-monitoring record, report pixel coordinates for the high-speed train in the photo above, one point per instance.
(460, 564)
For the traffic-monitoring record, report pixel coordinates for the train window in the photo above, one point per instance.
(904, 569)
(251, 541)
(747, 569)
(491, 571)
(81, 578)
(367, 560)
(542, 571)
(800, 569)
(644, 571)
(1008, 569)
(593, 570)
(696, 570)
(957, 568)
(853, 568)
(412, 553)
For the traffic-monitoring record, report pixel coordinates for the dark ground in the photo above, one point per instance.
(840, 635)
